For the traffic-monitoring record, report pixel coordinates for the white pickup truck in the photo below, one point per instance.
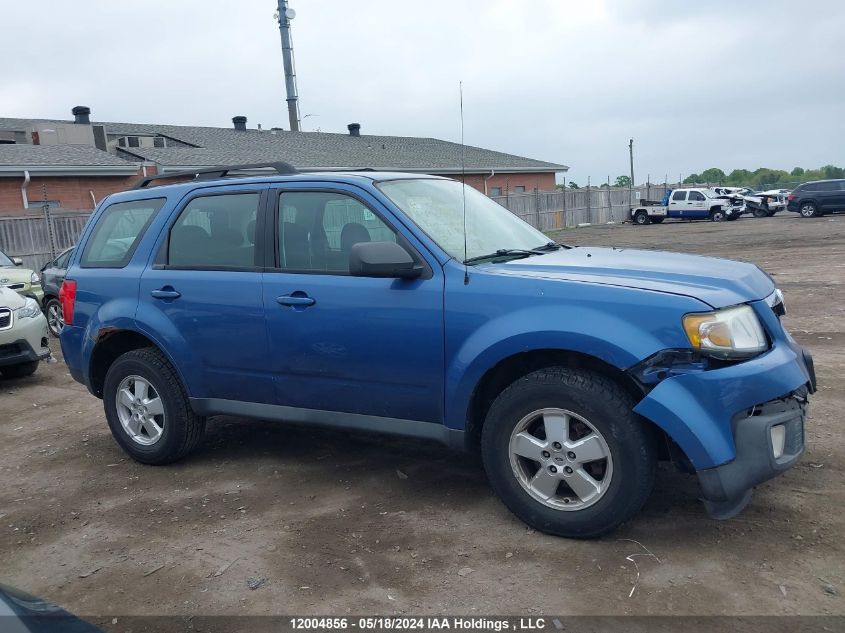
(686, 204)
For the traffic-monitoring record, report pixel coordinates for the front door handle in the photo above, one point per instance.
(166, 293)
(297, 299)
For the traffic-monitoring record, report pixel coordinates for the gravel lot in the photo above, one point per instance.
(328, 523)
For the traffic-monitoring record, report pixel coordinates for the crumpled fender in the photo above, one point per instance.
(696, 409)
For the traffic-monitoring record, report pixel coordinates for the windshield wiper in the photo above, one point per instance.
(515, 253)
(549, 246)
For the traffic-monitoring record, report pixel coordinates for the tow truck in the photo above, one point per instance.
(685, 204)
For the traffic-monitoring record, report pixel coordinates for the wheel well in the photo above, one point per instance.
(110, 345)
(515, 367)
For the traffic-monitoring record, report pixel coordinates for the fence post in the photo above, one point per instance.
(564, 203)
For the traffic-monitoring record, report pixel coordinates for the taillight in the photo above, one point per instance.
(67, 297)
(791, 196)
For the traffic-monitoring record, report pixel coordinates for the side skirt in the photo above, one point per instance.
(452, 438)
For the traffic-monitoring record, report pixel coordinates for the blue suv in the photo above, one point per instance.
(412, 305)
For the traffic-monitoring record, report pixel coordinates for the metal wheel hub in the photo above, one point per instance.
(54, 318)
(140, 410)
(560, 459)
(807, 211)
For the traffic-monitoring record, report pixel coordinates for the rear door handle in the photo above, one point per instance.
(166, 293)
(297, 299)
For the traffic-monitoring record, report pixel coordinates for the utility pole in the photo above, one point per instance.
(285, 16)
(631, 186)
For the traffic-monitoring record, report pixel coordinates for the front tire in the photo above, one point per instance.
(565, 452)
(148, 410)
(717, 215)
(21, 370)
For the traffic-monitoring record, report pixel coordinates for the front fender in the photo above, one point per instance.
(595, 331)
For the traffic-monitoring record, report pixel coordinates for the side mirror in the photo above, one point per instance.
(17, 261)
(382, 259)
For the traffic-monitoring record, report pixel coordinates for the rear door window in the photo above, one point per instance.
(679, 195)
(120, 226)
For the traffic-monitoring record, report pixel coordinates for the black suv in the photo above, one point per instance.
(814, 199)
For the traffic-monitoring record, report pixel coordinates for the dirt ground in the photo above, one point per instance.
(332, 523)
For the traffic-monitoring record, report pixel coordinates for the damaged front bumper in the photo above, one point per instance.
(769, 439)
(723, 419)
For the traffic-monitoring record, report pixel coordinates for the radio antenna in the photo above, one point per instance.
(464, 183)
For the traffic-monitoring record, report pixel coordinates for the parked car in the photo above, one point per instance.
(22, 280)
(23, 335)
(687, 204)
(357, 301)
(52, 276)
(814, 199)
(23, 613)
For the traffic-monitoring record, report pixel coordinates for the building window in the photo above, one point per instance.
(519, 189)
(158, 141)
(495, 191)
(133, 141)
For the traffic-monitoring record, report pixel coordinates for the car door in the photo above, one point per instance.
(53, 274)
(342, 343)
(830, 194)
(677, 204)
(696, 205)
(202, 294)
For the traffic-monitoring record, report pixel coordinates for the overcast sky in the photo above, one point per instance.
(696, 84)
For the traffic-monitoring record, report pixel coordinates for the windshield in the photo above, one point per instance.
(5, 261)
(436, 206)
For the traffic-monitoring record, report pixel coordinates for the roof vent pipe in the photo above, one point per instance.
(354, 129)
(81, 115)
(240, 123)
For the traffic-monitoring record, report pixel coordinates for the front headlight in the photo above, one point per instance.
(35, 279)
(30, 309)
(730, 333)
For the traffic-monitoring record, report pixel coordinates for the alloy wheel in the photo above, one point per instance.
(140, 410)
(55, 320)
(560, 459)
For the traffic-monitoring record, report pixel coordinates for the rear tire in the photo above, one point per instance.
(641, 218)
(808, 210)
(148, 410)
(21, 370)
(576, 401)
(53, 312)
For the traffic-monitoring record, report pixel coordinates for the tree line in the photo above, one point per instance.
(763, 176)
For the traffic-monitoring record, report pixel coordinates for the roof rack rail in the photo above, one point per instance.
(222, 171)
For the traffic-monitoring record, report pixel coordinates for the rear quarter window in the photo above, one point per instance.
(116, 234)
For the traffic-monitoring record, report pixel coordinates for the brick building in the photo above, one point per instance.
(74, 164)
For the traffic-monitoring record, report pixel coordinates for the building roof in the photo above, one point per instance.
(62, 160)
(208, 146)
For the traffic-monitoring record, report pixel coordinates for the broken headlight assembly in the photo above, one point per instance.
(730, 334)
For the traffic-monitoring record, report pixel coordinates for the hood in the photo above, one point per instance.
(15, 275)
(717, 282)
(10, 298)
